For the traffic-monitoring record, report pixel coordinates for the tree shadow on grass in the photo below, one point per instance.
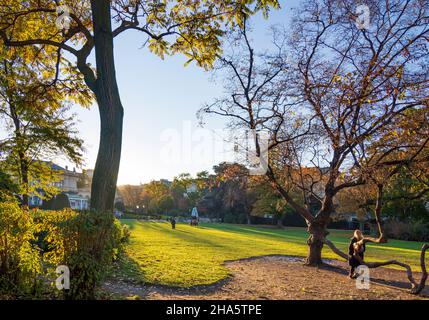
(190, 237)
(129, 281)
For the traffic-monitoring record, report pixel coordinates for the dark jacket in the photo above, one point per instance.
(352, 260)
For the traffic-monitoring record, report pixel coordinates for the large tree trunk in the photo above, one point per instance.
(318, 232)
(315, 242)
(111, 111)
(106, 169)
(316, 225)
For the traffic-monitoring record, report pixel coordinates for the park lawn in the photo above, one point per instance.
(191, 256)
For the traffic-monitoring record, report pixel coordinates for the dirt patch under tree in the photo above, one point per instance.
(279, 277)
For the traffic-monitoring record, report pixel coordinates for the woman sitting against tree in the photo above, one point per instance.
(356, 252)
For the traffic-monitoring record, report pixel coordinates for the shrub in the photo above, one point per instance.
(58, 202)
(34, 243)
(54, 236)
(410, 231)
(126, 233)
(20, 262)
(132, 215)
(420, 231)
(99, 237)
(231, 217)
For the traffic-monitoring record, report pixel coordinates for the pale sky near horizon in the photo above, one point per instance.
(161, 137)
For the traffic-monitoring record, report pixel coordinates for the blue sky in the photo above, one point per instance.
(160, 99)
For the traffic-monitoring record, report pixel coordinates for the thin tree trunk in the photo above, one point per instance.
(377, 211)
(249, 219)
(23, 164)
(280, 221)
(111, 111)
(24, 177)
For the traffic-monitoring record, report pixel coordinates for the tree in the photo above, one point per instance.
(361, 84)
(165, 203)
(390, 158)
(405, 198)
(34, 110)
(187, 191)
(7, 186)
(156, 191)
(267, 201)
(357, 82)
(256, 101)
(193, 28)
(395, 165)
(132, 196)
(348, 85)
(180, 191)
(227, 196)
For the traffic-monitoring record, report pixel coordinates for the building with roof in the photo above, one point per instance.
(75, 185)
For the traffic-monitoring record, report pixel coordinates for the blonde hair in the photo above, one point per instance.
(358, 235)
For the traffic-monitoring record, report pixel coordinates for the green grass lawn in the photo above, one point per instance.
(191, 256)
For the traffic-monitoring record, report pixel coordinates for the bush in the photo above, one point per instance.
(420, 231)
(132, 215)
(126, 232)
(59, 202)
(20, 262)
(54, 235)
(140, 216)
(231, 217)
(33, 243)
(99, 239)
(409, 231)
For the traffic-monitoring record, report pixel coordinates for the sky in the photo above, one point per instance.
(162, 137)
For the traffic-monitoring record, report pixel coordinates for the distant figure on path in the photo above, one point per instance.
(194, 217)
(356, 252)
(173, 223)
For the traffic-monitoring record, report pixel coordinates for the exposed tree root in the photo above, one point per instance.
(422, 283)
(316, 265)
(398, 263)
(416, 288)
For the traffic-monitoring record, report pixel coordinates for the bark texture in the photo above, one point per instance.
(111, 111)
(315, 242)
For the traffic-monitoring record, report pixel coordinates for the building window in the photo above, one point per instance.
(35, 201)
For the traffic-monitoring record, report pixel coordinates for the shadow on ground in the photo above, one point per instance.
(276, 278)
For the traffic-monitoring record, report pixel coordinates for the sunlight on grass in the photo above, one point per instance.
(191, 256)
